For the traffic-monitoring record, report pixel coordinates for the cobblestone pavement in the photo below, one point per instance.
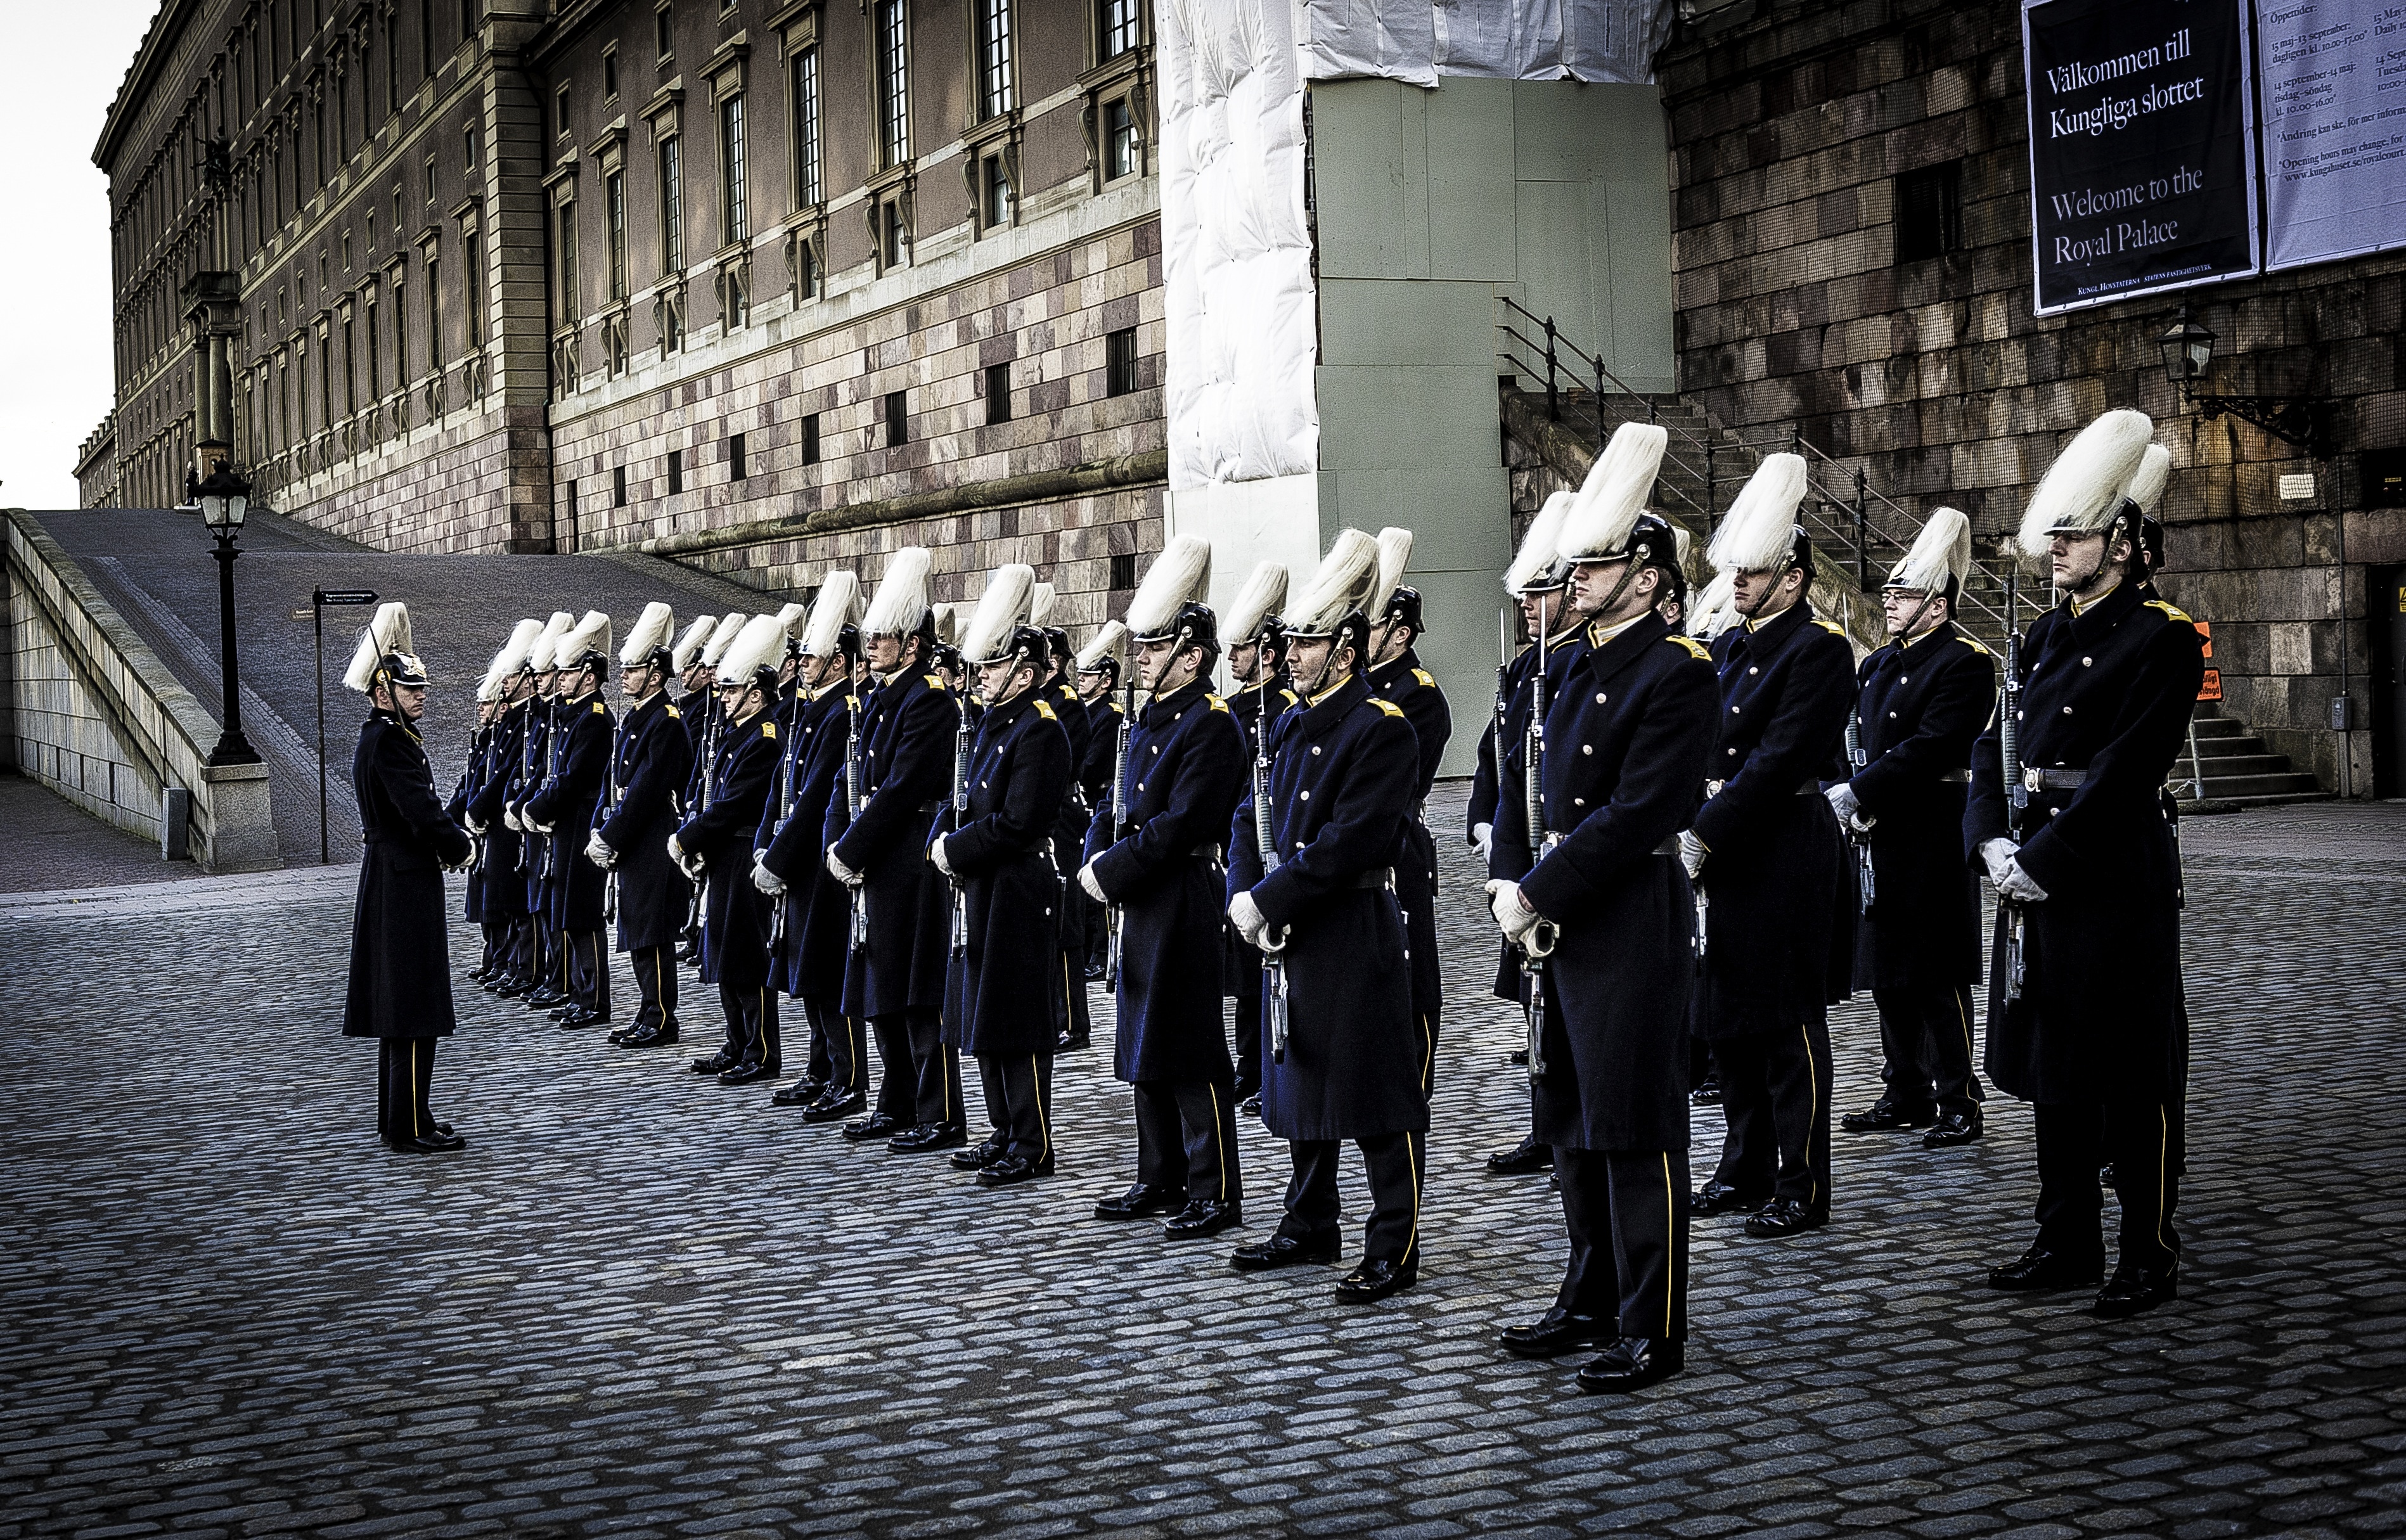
(642, 1304)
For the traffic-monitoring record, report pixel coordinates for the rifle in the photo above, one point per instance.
(614, 794)
(852, 802)
(1115, 916)
(960, 939)
(2009, 755)
(709, 774)
(1274, 996)
(1503, 729)
(785, 812)
(1537, 943)
(1856, 759)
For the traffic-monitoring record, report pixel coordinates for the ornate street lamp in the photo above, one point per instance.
(224, 498)
(2188, 349)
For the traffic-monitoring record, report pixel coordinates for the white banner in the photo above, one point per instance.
(2332, 77)
(1419, 41)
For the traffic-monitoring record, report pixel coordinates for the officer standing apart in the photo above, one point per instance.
(1161, 869)
(1626, 744)
(1923, 699)
(711, 845)
(648, 767)
(1262, 692)
(400, 991)
(896, 979)
(994, 848)
(1767, 851)
(563, 813)
(1343, 767)
(2088, 875)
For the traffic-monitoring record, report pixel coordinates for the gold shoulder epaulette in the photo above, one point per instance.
(1069, 691)
(1695, 648)
(1386, 705)
(600, 709)
(2170, 611)
(1044, 710)
(933, 682)
(1215, 701)
(1976, 646)
(675, 715)
(1422, 675)
(1829, 626)
(1289, 695)
(767, 726)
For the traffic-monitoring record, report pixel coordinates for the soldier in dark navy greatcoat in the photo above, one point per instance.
(1353, 1060)
(400, 990)
(1161, 869)
(499, 858)
(2088, 875)
(537, 759)
(1769, 856)
(648, 769)
(1392, 671)
(1259, 694)
(697, 659)
(1922, 700)
(993, 846)
(563, 811)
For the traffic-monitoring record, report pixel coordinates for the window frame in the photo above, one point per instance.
(890, 80)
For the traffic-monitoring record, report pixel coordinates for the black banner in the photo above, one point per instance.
(2139, 172)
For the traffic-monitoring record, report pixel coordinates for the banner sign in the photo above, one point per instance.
(2333, 78)
(2140, 123)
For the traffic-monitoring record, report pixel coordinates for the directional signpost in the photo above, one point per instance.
(319, 600)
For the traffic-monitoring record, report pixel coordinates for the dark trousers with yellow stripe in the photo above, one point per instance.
(1627, 1211)
(1776, 1095)
(2146, 1143)
(1925, 1034)
(656, 982)
(751, 1024)
(1186, 1137)
(1394, 1164)
(585, 958)
(1019, 1103)
(838, 1045)
(929, 1074)
(405, 1077)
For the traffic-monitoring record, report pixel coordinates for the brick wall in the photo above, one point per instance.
(1788, 126)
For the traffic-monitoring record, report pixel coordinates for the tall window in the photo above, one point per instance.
(807, 187)
(615, 192)
(351, 371)
(566, 235)
(730, 168)
(400, 342)
(994, 57)
(672, 204)
(375, 357)
(472, 260)
(894, 81)
(434, 316)
(1119, 139)
(1122, 26)
(426, 39)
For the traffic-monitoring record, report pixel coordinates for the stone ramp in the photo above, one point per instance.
(155, 567)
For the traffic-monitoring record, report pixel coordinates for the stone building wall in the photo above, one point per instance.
(1790, 127)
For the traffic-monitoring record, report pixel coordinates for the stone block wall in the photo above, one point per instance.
(1789, 126)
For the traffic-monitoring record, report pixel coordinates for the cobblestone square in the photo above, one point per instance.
(642, 1305)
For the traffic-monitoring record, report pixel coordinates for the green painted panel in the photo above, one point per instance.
(1401, 416)
(1469, 139)
(1405, 321)
(1371, 174)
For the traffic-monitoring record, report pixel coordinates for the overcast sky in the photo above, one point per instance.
(64, 59)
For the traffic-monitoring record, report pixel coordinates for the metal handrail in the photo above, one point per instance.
(1859, 533)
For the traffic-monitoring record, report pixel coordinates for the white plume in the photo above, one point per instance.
(1181, 573)
(901, 601)
(1758, 533)
(2082, 490)
(1000, 612)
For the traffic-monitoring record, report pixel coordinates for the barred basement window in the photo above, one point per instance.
(997, 393)
(676, 471)
(1930, 211)
(1118, 361)
(617, 487)
(735, 468)
(1123, 570)
(897, 417)
(811, 438)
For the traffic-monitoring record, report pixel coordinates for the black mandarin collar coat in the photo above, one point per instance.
(651, 764)
(999, 991)
(791, 822)
(568, 803)
(906, 768)
(401, 974)
(734, 916)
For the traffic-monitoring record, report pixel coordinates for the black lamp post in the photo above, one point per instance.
(2188, 352)
(224, 498)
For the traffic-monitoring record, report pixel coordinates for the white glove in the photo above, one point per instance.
(2016, 885)
(470, 824)
(510, 816)
(936, 854)
(1246, 915)
(1998, 855)
(1482, 840)
(533, 826)
(1092, 884)
(1844, 802)
(598, 851)
(842, 873)
(1513, 913)
(676, 850)
(763, 878)
(1693, 852)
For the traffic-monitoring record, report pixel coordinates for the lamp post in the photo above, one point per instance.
(2188, 351)
(224, 498)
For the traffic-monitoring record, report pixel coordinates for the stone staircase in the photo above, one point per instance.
(2229, 767)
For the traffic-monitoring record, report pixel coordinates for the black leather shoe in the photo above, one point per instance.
(877, 1125)
(618, 1035)
(1558, 1331)
(1250, 1105)
(927, 1139)
(1720, 1197)
(749, 1073)
(2039, 1269)
(1953, 1129)
(1886, 1114)
(1633, 1363)
(1522, 1159)
(1517, 1056)
(1070, 1042)
(1010, 1170)
(833, 1105)
(800, 1094)
(1374, 1280)
(1202, 1218)
(1706, 1094)
(434, 1142)
(978, 1156)
(1281, 1250)
(718, 1064)
(650, 1036)
(560, 1013)
(544, 998)
(585, 1019)
(2134, 1290)
(1142, 1202)
(1785, 1217)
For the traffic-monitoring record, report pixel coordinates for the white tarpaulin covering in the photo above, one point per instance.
(1236, 251)
(1609, 41)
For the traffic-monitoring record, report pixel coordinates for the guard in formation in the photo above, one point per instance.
(561, 811)
(714, 846)
(1102, 664)
(650, 762)
(1261, 694)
